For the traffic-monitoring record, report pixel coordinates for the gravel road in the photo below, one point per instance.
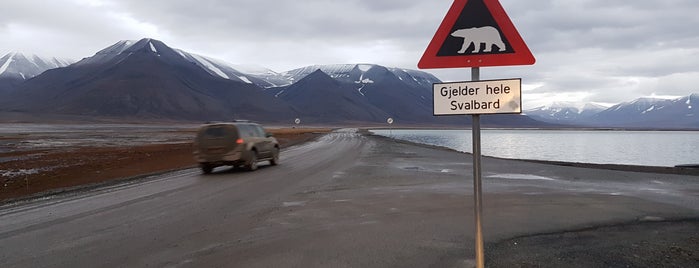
(351, 200)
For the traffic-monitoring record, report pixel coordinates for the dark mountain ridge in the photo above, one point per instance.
(321, 98)
(147, 79)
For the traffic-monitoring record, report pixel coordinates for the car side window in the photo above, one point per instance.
(214, 132)
(248, 130)
(260, 131)
(243, 130)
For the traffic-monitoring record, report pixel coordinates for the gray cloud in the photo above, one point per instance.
(594, 50)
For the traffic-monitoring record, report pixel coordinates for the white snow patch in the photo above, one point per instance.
(510, 176)
(364, 67)
(360, 90)
(181, 53)
(32, 59)
(23, 77)
(152, 47)
(4, 66)
(649, 109)
(364, 81)
(245, 79)
(210, 66)
(253, 69)
(59, 62)
(277, 95)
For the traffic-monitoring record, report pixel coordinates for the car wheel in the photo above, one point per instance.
(275, 157)
(206, 169)
(252, 165)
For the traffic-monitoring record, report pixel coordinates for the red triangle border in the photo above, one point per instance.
(522, 55)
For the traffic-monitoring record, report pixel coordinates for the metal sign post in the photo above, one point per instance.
(477, 198)
(478, 97)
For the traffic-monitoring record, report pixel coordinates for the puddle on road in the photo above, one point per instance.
(424, 169)
(512, 176)
(294, 203)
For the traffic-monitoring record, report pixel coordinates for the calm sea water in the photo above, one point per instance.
(647, 148)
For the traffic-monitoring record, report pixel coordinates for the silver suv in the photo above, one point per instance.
(234, 144)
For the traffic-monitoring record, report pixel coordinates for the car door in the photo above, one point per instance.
(265, 143)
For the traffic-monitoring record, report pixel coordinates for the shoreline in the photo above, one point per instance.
(683, 168)
(619, 167)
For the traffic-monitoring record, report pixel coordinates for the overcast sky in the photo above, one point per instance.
(586, 50)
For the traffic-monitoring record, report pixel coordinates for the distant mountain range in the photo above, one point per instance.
(564, 112)
(144, 80)
(15, 68)
(648, 113)
(148, 80)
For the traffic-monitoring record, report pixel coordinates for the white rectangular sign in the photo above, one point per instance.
(478, 97)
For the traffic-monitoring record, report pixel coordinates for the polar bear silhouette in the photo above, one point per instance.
(480, 35)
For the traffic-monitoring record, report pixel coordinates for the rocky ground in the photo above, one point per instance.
(34, 163)
(640, 244)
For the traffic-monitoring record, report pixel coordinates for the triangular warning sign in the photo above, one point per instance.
(476, 33)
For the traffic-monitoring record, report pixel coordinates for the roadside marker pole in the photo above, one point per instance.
(477, 198)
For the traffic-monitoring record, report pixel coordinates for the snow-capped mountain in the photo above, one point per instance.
(325, 99)
(381, 92)
(145, 79)
(565, 112)
(362, 74)
(404, 95)
(627, 113)
(257, 75)
(16, 67)
(652, 113)
(27, 66)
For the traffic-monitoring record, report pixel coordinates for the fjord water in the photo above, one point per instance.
(643, 148)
